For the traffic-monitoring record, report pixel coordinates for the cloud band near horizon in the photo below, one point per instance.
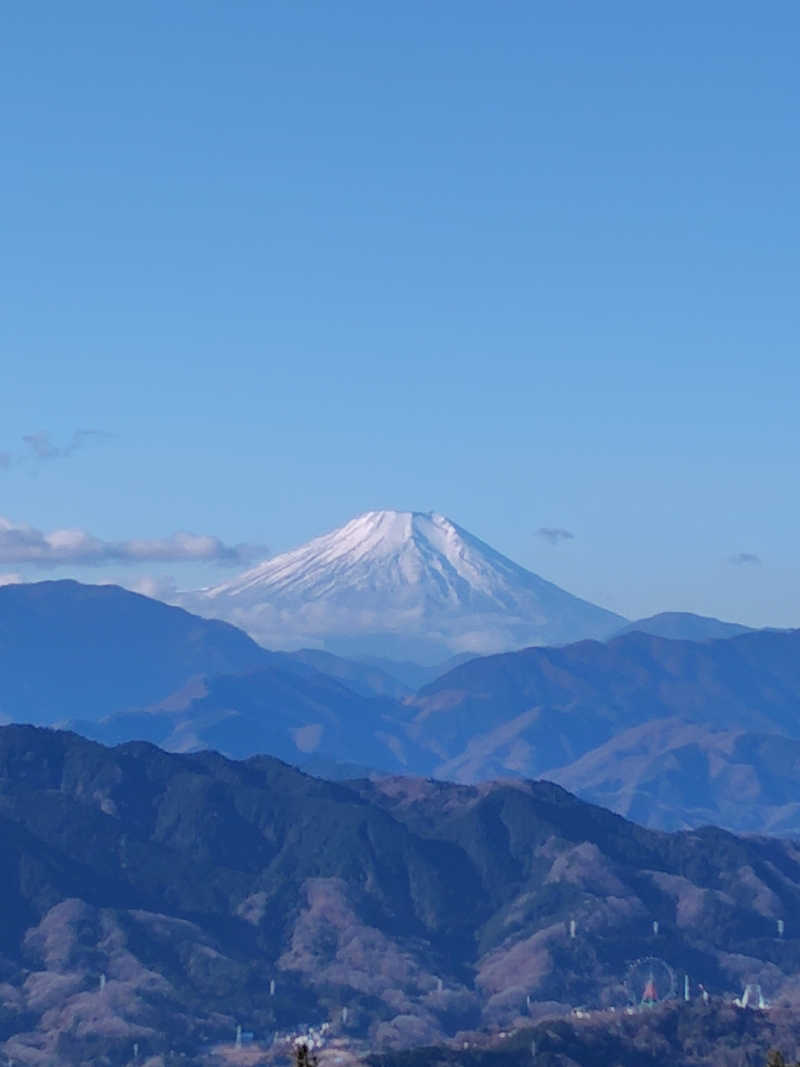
(20, 544)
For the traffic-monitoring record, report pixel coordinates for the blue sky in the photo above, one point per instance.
(530, 265)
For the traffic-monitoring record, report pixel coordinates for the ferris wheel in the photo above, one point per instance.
(649, 981)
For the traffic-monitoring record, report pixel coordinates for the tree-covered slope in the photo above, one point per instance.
(191, 882)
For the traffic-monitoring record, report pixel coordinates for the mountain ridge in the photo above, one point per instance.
(152, 897)
(70, 648)
(684, 626)
(677, 774)
(119, 666)
(530, 711)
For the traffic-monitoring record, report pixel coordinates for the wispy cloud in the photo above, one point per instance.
(745, 559)
(554, 535)
(159, 587)
(38, 448)
(21, 543)
(11, 578)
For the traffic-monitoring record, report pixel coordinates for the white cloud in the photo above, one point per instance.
(20, 543)
(159, 588)
(11, 578)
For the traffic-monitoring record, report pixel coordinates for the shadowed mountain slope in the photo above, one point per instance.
(530, 711)
(364, 678)
(191, 882)
(285, 709)
(122, 667)
(69, 650)
(674, 775)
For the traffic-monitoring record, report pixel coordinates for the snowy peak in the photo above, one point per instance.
(371, 539)
(389, 581)
(385, 550)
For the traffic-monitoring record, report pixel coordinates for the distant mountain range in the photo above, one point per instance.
(529, 711)
(70, 650)
(281, 709)
(675, 774)
(672, 733)
(684, 626)
(403, 585)
(153, 898)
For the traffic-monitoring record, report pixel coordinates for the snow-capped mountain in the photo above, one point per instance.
(405, 585)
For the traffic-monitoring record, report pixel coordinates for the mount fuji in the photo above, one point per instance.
(402, 585)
